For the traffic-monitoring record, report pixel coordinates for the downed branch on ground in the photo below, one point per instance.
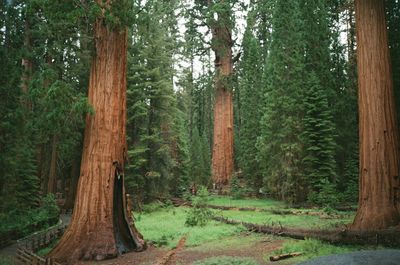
(388, 238)
(285, 256)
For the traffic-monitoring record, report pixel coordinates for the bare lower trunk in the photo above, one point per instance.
(222, 153)
(99, 227)
(222, 160)
(379, 165)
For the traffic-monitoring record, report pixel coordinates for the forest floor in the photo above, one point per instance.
(163, 226)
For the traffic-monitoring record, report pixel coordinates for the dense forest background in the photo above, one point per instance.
(294, 89)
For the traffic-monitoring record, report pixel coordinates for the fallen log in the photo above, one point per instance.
(284, 256)
(388, 237)
(177, 202)
(344, 208)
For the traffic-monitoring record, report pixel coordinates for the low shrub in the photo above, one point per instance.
(327, 196)
(238, 191)
(199, 214)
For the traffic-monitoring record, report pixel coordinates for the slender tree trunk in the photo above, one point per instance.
(72, 185)
(52, 182)
(379, 158)
(100, 226)
(40, 167)
(27, 65)
(222, 153)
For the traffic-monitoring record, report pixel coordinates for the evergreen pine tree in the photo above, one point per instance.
(156, 143)
(281, 149)
(251, 93)
(319, 129)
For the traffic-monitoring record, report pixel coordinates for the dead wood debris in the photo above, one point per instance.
(388, 238)
(167, 257)
(285, 256)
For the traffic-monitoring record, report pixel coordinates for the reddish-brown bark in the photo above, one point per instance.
(100, 227)
(222, 153)
(379, 146)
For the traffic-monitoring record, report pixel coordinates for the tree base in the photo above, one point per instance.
(368, 219)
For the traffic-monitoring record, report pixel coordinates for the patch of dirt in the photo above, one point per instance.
(255, 251)
(186, 256)
(149, 256)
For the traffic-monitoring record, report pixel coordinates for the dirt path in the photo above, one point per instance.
(257, 250)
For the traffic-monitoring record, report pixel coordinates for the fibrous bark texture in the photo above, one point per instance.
(379, 147)
(100, 226)
(222, 153)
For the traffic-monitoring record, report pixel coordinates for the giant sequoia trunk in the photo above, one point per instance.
(379, 160)
(101, 227)
(222, 153)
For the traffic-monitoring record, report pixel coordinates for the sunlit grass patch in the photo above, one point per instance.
(166, 226)
(312, 248)
(231, 242)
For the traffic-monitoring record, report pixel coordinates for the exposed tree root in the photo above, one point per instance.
(167, 257)
(388, 238)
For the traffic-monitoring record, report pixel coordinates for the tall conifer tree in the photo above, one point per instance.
(281, 149)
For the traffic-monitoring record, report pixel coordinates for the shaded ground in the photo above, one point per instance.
(149, 256)
(254, 247)
(258, 250)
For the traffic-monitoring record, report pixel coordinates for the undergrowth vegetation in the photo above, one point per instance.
(199, 214)
(311, 248)
(166, 226)
(21, 222)
(256, 203)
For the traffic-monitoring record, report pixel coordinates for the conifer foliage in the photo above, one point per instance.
(280, 145)
(157, 133)
(265, 91)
